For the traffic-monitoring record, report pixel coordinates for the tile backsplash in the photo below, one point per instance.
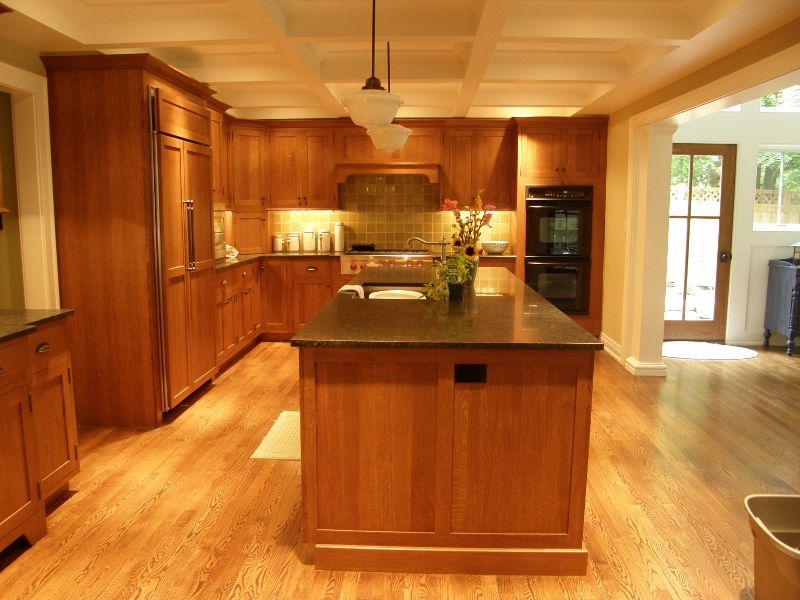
(387, 210)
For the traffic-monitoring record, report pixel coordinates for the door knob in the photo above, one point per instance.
(724, 256)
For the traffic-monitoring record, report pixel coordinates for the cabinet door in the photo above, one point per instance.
(581, 152)
(225, 339)
(219, 161)
(250, 233)
(175, 262)
(54, 426)
(201, 277)
(493, 167)
(247, 301)
(249, 181)
(458, 172)
(275, 292)
(311, 289)
(540, 152)
(318, 167)
(18, 502)
(285, 167)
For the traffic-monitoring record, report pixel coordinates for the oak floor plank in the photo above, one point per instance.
(183, 512)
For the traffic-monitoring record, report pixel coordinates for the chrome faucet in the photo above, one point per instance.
(444, 243)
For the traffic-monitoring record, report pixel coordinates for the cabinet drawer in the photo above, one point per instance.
(226, 285)
(246, 274)
(47, 341)
(311, 268)
(12, 360)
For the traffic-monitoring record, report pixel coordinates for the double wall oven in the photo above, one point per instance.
(558, 244)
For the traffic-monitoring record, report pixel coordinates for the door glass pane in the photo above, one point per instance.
(706, 185)
(679, 186)
(676, 265)
(702, 274)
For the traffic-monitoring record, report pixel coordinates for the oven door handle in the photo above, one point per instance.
(553, 268)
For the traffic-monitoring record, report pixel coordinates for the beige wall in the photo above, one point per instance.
(746, 73)
(11, 289)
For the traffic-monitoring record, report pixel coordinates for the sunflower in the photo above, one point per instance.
(470, 251)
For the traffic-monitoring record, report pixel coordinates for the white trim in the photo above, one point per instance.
(645, 369)
(29, 113)
(612, 348)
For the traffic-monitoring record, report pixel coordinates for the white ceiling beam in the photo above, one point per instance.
(553, 66)
(491, 23)
(406, 66)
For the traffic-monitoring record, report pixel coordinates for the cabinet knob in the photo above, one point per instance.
(228, 301)
(224, 282)
(42, 348)
(244, 273)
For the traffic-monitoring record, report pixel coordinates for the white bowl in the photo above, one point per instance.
(494, 247)
(395, 295)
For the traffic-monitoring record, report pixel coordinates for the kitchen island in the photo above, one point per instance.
(444, 437)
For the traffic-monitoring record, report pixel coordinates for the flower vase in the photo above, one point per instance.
(455, 292)
(472, 272)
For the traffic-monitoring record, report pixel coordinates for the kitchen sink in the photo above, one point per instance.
(369, 288)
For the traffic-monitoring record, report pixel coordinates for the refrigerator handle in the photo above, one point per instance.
(189, 204)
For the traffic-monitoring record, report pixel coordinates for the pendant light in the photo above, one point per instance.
(374, 108)
(391, 137)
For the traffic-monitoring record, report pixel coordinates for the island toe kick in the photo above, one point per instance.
(445, 460)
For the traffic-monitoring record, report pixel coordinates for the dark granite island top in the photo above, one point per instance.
(14, 323)
(513, 317)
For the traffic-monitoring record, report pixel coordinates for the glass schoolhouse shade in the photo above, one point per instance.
(389, 138)
(371, 108)
(796, 253)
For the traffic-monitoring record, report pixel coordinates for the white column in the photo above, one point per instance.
(643, 333)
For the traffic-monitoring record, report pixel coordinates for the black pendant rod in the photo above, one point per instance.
(373, 83)
(388, 68)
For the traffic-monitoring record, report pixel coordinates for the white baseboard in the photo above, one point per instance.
(612, 348)
(641, 369)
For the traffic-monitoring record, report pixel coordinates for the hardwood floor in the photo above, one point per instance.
(182, 511)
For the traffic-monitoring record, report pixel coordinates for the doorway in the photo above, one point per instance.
(699, 241)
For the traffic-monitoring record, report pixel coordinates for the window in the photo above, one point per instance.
(777, 189)
(787, 100)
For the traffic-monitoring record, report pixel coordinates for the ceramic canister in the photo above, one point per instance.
(292, 242)
(309, 240)
(277, 242)
(323, 240)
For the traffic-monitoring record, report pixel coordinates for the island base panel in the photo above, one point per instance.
(479, 561)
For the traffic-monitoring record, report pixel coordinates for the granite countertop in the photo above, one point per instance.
(515, 318)
(14, 323)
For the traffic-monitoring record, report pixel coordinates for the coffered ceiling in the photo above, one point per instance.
(278, 59)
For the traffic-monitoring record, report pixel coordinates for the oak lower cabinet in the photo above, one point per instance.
(38, 431)
(275, 295)
(562, 149)
(21, 508)
(237, 321)
(311, 289)
(301, 168)
(53, 408)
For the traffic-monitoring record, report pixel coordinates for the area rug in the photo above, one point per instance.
(705, 351)
(282, 441)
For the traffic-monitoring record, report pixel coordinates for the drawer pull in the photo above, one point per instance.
(311, 269)
(228, 301)
(244, 273)
(246, 292)
(224, 282)
(42, 348)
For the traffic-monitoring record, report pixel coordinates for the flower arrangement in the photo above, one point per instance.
(467, 234)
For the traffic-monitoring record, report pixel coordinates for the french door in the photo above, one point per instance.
(700, 232)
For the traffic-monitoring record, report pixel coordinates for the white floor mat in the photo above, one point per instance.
(282, 441)
(705, 351)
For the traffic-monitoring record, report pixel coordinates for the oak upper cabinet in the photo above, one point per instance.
(250, 232)
(21, 509)
(354, 146)
(311, 289)
(562, 149)
(480, 159)
(219, 159)
(301, 168)
(249, 175)
(275, 293)
(53, 408)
